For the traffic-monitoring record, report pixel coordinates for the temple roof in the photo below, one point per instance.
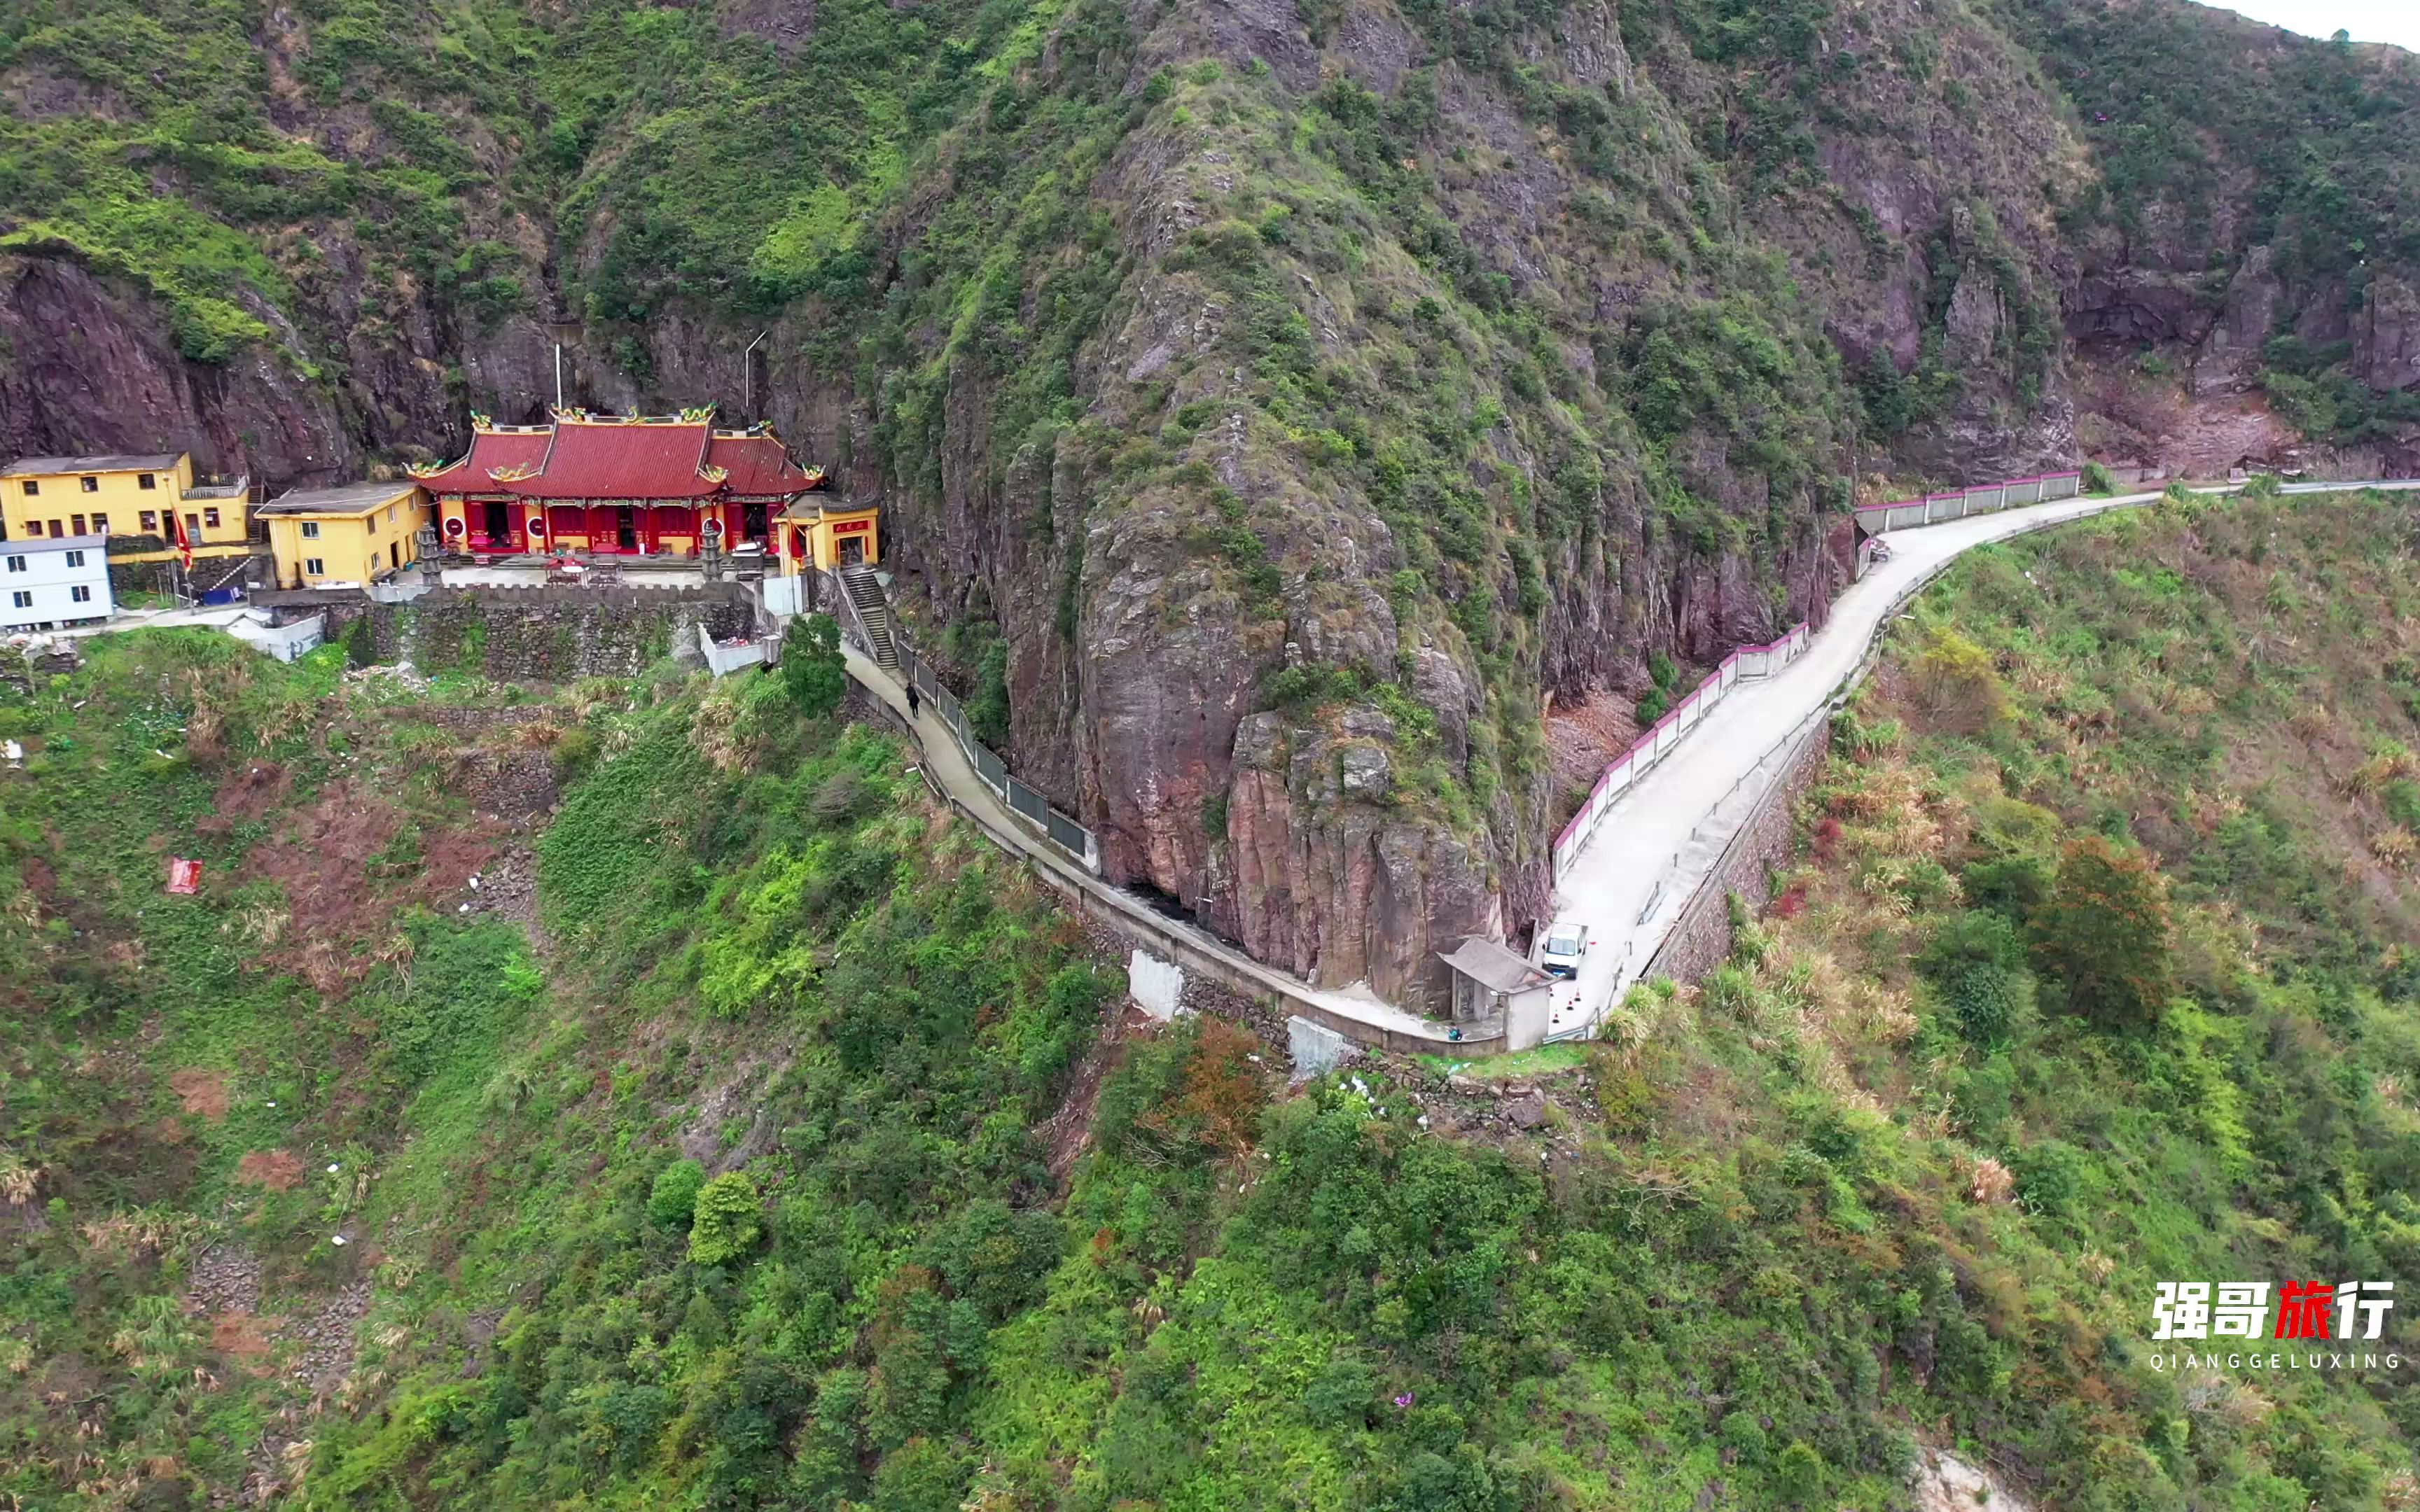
(756, 465)
(491, 449)
(643, 458)
(637, 458)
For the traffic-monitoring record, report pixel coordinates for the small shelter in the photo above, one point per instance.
(1492, 985)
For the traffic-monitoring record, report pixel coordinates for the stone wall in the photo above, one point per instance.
(1701, 938)
(554, 633)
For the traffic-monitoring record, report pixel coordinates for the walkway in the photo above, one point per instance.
(1359, 1014)
(1664, 836)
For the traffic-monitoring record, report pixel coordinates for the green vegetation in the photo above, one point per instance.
(2183, 110)
(791, 1168)
(813, 666)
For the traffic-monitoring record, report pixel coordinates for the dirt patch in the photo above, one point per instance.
(1582, 736)
(201, 1092)
(2135, 421)
(1068, 1132)
(280, 1170)
(345, 876)
(244, 1340)
(252, 791)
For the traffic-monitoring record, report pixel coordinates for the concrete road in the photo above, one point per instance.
(1662, 837)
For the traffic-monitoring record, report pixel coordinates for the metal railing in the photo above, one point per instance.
(1023, 800)
(1746, 664)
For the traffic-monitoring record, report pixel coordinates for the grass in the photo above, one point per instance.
(1546, 1061)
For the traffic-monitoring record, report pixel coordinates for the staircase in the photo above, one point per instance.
(873, 613)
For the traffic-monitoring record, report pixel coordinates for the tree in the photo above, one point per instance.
(813, 666)
(727, 1220)
(1960, 688)
(2105, 933)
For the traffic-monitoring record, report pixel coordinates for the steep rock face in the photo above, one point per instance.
(1305, 397)
(91, 367)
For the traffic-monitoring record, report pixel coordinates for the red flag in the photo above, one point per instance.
(184, 877)
(184, 543)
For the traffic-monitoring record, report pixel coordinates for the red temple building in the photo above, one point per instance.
(640, 485)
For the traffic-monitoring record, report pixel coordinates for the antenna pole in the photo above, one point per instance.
(558, 374)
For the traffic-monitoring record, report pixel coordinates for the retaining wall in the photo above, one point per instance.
(1701, 938)
(553, 633)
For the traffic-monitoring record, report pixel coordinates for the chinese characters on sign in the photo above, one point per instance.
(2240, 1310)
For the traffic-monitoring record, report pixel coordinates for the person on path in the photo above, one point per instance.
(915, 703)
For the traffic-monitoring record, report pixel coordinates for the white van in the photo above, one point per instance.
(1559, 952)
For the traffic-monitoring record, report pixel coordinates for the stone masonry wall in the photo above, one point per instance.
(555, 633)
(1700, 940)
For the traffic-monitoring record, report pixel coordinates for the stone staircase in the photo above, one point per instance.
(873, 612)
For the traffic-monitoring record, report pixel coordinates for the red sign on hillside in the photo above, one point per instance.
(184, 877)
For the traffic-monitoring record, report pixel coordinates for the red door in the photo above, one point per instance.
(604, 523)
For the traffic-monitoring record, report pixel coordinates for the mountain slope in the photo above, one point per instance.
(1319, 428)
(759, 1139)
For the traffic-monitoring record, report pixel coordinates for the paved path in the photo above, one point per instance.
(1652, 848)
(1663, 837)
(949, 767)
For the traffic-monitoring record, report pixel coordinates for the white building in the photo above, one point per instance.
(48, 585)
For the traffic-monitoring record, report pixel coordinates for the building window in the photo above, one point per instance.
(75, 559)
(143, 480)
(79, 524)
(390, 514)
(91, 484)
(210, 518)
(192, 524)
(372, 524)
(32, 488)
(22, 599)
(100, 525)
(56, 530)
(16, 563)
(311, 566)
(310, 530)
(80, 594)
(150, 523)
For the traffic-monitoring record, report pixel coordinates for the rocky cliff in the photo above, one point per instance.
(1317, 423)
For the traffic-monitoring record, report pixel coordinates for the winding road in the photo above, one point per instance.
(1663, 837)
(1649, 852)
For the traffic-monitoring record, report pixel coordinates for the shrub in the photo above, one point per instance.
(2105, 933)
(2013, 884)
(1798, 1474)
(2097, 479)
(1985, 999)
(726, 1220)
(674, 1198)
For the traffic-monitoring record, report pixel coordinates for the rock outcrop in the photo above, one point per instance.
(1306, 398)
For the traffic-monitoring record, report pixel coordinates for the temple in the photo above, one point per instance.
(639, 485)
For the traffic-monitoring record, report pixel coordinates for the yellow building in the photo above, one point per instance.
(821, 536)
(55, 497)
(353, 534)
